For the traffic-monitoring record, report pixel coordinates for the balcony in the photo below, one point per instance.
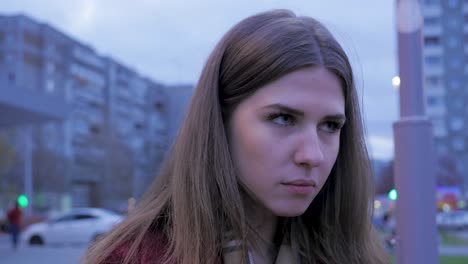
(433, 30)
(433, 51)
(432, 10)
(19, 106)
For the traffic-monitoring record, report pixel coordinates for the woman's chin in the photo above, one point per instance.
(290, 212)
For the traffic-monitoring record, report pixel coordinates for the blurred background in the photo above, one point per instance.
(92, 93)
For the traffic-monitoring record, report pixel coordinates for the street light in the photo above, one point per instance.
(396, 82)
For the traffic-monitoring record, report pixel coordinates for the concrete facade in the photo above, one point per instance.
(446, 78)
(105, 108)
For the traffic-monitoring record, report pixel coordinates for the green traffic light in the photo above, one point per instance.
(23, 201)
(393, 195)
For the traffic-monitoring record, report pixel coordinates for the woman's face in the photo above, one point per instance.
(285, 139)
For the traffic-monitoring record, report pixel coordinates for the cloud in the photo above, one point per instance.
(380, 147)
(169, 41)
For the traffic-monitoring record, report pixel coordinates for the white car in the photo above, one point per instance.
(80, 225)
(457, 220)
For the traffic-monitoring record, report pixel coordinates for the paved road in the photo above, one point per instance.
(71, 254)
(33, 255)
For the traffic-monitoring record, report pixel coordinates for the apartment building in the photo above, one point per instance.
(446, 78)
(107, 121)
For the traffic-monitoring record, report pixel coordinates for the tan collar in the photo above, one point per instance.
(232, 254)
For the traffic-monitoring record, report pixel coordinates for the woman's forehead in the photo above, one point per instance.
(304, 90)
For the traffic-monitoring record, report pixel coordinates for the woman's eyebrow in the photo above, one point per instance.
(291, 110)
(286, 108)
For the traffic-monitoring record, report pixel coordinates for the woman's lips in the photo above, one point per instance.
(300, 186)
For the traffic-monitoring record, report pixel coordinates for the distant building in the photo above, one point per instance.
(114, 129)
(179, 98)
(23, 99)
(446, 77)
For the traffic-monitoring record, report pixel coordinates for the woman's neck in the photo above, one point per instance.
(264, 225)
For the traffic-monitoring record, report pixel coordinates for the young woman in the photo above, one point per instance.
(270, 165)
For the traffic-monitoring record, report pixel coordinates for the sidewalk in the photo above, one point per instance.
(453, 250)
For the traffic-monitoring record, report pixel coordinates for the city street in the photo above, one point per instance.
(48, 254)
(60, 254)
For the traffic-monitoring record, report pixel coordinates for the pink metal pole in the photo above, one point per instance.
(414, 155)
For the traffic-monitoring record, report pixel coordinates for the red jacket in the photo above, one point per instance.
(14, 216)
(151, 251)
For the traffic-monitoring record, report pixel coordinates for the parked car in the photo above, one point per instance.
(80, 225)
(455, 220)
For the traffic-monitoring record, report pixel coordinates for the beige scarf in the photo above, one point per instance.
(232, 254)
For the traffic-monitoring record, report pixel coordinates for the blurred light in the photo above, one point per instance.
(396, 82)
(23, 201)
(461, 204)
(446, 207)
(393, 195)
(377, 204)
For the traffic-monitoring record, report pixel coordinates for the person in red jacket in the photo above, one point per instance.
(269, 165)
(14, 216)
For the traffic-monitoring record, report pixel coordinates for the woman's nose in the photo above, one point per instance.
(309, 152)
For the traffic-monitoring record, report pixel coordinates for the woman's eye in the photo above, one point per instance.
(332, 126)
(282, 119)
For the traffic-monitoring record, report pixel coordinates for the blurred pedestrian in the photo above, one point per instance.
(270, 164)
(14, 217)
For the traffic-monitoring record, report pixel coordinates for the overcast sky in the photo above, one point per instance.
(170, 40)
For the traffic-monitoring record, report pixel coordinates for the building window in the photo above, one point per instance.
(456, 123)
(9, 59)
(452, 3)
(432, 2)
(80, 126)
(439, 127)
(452, 22)
(458, 144)
(455, 62)
(32, 60)
(455, 84)
(33, 39)
(433, 60)
(433, 80)
(138, 126)
(50, 86)
(94, 128)
(431, 21)
(11, 77)
(441, 148)
(433, 101)
(50, 67)
(431, 40)
(159, 106)
(458, 104)
(453, 42)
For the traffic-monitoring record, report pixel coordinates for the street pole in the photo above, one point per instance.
(28, 177)
(414, 155)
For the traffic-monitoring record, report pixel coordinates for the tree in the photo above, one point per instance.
(447, 174)
(7, 155)
(49, 170)
(385, 181)
(8, 175)
(118, 164)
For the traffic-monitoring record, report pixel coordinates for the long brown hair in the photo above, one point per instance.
(197, 197)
